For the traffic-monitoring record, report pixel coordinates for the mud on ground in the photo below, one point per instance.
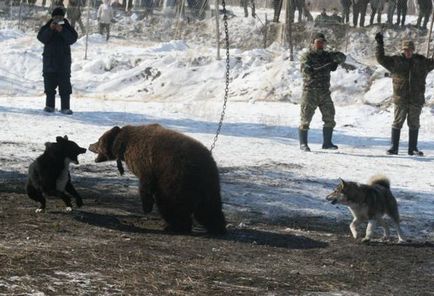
(109, 247)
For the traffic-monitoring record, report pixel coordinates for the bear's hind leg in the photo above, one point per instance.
(178, 219)
(212, 219)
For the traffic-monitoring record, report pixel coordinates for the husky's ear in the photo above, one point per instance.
(342, 183)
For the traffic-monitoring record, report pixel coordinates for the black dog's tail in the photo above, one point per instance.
(380, 180)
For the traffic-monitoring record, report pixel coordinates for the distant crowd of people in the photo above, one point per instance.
(358, 8)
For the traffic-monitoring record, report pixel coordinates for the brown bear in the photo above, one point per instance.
(174, 170)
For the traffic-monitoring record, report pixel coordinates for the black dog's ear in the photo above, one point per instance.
(116, 130)
(59, 139)
(66, 137)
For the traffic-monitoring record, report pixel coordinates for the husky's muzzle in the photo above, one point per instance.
(332, 197)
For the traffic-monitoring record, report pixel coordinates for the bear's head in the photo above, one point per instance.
(104, 146)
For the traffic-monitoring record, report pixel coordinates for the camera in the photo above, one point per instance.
(58, 21)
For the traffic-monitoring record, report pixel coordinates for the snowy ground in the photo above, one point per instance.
(179, 84)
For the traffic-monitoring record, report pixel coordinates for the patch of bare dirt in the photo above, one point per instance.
(110, 248)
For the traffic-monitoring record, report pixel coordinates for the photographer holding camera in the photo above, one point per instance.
(57, 35)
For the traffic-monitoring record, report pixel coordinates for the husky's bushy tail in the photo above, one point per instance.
(380, 180)
(390, 200)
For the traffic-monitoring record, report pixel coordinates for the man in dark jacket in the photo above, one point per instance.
(316, 66)
(57, 35)
(409, 72)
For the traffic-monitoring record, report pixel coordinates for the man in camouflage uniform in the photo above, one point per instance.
(316, 66)
(409, 72)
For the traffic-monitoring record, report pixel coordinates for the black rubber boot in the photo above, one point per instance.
(396, 133)
(64, 100)
(413, 134)
(50, 101)
(327, 133)
(303, 140)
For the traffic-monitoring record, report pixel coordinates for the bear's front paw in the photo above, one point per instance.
(147, 207)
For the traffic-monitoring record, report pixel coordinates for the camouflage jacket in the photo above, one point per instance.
(316, 67)
(408, 75)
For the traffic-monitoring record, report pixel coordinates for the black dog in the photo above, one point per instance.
(49, 173)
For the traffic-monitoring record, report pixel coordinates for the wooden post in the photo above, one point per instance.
(265, 31)
(216, 9)
(87, 28)
(19, 14)
(289, 19)
(429, 35)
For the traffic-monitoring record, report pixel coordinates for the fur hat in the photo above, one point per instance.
(319, 36)
(407, 44)
(58, 11)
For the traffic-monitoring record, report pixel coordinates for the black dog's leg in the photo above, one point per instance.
(36, 195)
(66, 199)
(71, 190)
(147, 195)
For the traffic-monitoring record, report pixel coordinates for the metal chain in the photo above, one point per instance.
(222, 116)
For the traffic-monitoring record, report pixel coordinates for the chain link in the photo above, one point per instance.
(222, 116)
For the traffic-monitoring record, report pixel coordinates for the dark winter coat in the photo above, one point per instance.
(316, 66)
(408, 75)
(57, 50)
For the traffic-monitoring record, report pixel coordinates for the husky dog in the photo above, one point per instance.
(49, 173)
(368, 203)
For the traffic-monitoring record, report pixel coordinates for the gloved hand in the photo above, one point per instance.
(379, 38)
(339, 58)
(308, 69)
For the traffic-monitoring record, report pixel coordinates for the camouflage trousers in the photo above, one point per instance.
(311, 99)
(411, 112)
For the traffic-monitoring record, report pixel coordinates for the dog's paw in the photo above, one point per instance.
(385, 238)
(39, 210)
(366, 240)
(68, 209)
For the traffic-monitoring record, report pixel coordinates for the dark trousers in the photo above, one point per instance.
(51, 82)
(103, 27)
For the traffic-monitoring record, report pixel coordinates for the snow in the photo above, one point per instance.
(180, 85)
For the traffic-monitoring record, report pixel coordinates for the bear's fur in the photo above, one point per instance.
(174, 170)
(49, 173)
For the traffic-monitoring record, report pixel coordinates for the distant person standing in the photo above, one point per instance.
(391, 6)
(425, 10)
(74, 14)
(401, 11)
(104, 17)
(316, 66)
(57, 35)
(359, 9)
(245, 4)
(346, 5)
(409, 72)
